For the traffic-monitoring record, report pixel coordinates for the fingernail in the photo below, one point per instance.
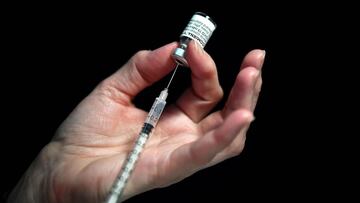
(252, 118)
(198, 48)
(255, 81)
(257, 85)
(262, 58)
(256, 74)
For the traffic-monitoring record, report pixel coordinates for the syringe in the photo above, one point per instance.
(151, 120)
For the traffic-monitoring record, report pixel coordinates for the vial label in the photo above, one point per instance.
(199, 29)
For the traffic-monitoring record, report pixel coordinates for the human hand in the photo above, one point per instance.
(89, 148)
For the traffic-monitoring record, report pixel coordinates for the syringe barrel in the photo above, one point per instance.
(157, 109)
(129, 165)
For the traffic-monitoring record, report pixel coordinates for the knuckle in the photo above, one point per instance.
(107, 89)
(237, 148)
(205, 70)
(139, 55)
(218, 94)
(210, 69)
(212, 95)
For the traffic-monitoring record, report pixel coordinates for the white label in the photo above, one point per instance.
(199, 29)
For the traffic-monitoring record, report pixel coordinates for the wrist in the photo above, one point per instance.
(34, 186)
(23, 191)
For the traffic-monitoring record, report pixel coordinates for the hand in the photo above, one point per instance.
(88, 150)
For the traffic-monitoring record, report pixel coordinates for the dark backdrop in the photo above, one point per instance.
(58, 53)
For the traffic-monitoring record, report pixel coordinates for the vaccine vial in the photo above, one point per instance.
(200, 29)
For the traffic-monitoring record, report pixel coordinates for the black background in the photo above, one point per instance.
(56, 54)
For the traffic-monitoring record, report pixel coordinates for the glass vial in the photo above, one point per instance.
(200, 29)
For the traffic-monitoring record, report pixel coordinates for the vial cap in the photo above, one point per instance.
(179, 56)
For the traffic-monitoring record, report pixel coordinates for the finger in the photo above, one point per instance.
(238, 143)
(205, 92)
(241, 95)
(254, 58)
(142, 70)
(244, 98)
(244, 94)
(197, 154)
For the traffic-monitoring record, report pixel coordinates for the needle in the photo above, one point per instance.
(172, 76)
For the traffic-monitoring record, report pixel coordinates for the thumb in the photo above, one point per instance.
(142, 70)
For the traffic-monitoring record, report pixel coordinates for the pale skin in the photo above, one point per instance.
(86, 154)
